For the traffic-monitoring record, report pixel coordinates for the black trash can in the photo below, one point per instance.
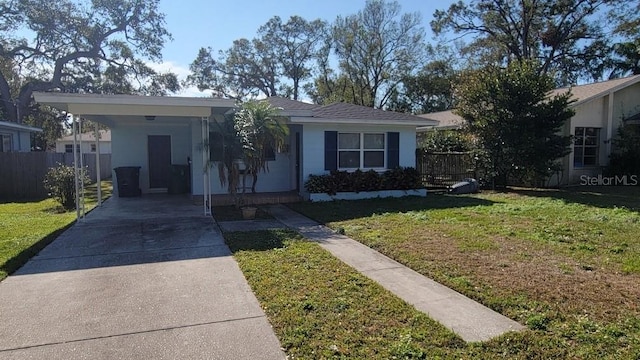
(128, 181)
(179, 182)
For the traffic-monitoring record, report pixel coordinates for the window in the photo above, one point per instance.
(5, 143)
(68, 148)
(361, 151)
(586, 147)
(93, 147)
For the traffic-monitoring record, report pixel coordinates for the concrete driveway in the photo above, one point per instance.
(139, 278)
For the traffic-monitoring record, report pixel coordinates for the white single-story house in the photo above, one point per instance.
(88, 141)
(16, 137)
(154, 132)
(600, 109)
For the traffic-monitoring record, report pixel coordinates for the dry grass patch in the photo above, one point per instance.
(564, 263)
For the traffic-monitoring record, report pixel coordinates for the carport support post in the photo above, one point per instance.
(75, 164)
(98, 179)
(206, 168)
(81, 172)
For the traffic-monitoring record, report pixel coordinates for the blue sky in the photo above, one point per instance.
(200, 23)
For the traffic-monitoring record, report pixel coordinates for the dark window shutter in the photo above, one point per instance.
(330, 150)
(393, 150)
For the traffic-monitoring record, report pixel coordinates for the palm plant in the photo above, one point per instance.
(247, 136)
(228, 166)
(260, 130)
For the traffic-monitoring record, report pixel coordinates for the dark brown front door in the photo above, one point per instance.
(159, 147)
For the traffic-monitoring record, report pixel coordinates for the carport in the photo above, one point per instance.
(147, 131)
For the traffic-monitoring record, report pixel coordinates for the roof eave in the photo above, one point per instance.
(15, 126)
(438, 127)
(133, 105)
(606, 92)
(132, 100)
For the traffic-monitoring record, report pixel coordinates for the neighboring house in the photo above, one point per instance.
(447, 120)
(65, 143)
(15, 137)
(153, 132)
(600, 109)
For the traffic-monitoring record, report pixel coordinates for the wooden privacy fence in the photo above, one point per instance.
(439, 169)
(22, 174)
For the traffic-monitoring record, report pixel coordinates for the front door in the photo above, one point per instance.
(159, 147)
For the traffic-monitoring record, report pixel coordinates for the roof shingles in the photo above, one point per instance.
(582, 93)
(357, 112)
(344, 111)
(288, 104)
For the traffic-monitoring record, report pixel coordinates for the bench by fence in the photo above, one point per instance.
(440, 169)
(22, 174)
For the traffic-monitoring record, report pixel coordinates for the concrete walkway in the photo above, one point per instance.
(467, 318)
(139, 278)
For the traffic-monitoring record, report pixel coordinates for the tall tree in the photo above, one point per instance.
(69, 45)
(51, 121)
(377, 47)
(295, 44)
(331, 89)
(567, 38)
(275, 63)
(246, 69)
(430, 90)
(625, 60)
(511, 114)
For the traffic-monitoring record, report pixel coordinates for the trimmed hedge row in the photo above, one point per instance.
(357, 181)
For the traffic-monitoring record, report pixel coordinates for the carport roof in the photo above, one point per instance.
(102, 107)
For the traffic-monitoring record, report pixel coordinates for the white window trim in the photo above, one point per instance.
(584, 146)
(362, 150)
(10, 136)
(72, 147)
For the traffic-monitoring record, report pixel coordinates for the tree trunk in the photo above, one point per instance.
(6, 102)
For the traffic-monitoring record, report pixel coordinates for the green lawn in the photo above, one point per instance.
(565, 263)
(321, 308)
(26, 227)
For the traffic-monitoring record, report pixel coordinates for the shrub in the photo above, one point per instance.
(625, 160)
(401, 179)
(59, 182)
(337, 181)
(446, 141)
